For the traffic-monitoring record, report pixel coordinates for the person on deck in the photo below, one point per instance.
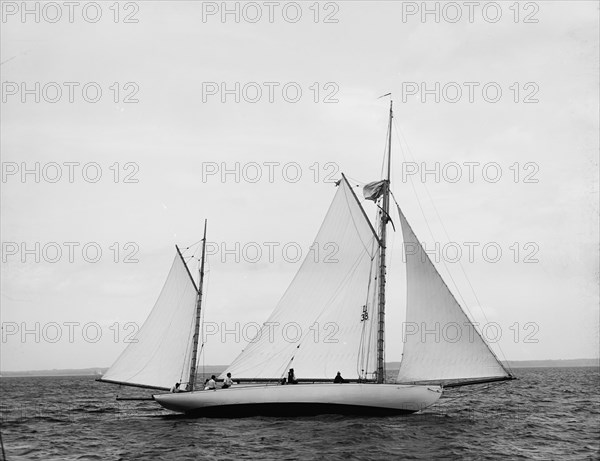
(338, 378)
(227, 382)
(291, 379)
(175, 388)
(211, 385)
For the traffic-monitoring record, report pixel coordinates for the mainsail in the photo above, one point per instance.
(325, 321)
(441, 343)
(161, 352)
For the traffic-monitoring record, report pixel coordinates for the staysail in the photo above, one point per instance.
(440, 342)
(324, 322)
(160, 353)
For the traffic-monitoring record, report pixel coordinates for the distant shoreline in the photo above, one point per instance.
(567, 363)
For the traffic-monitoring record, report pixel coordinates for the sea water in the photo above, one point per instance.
(549, 413)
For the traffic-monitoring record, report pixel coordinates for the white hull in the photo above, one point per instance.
(303, 399)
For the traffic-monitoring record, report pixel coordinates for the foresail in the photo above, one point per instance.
(440, 342)
(160, 353)
(321, 325)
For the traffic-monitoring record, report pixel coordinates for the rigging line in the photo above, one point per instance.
(289, 363)
(374, 326)
(387, 135)
(361, 354)
(283, 353)
(188, 352)
(372, 350)
(364, 359)
(321, 227)
(427, 221)
(384, 263)
(462, 394)
(206, 285)
(426, 256)
(448, 238)
(249, 349)
(158, 347)
(391, 245)
(354, 266)
(360, 207)
(192, 245)
(187, 259)
(469, 283)
(357, 231)
(357, 182)
(351, 271)
(354, 224)
(461, 310)
(344, 281)
(448, 272)
(361, 349)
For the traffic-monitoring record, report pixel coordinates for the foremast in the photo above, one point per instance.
(382, 251)
(196, 339)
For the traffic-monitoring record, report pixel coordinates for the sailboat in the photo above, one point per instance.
(344, 295)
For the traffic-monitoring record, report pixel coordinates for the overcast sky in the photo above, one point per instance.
(517, 97)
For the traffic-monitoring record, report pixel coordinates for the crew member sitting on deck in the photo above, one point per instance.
(211, 384)
(227, 382)
(175, 388)
(291, 377)
(338, 378)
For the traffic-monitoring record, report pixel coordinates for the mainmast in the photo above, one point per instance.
(382, 238)
(192, 379)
